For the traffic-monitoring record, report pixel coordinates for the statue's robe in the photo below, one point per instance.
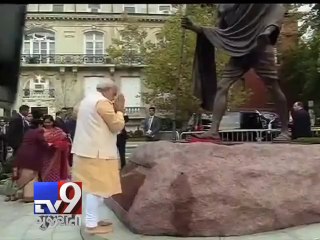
(238, 32)
(12, 18)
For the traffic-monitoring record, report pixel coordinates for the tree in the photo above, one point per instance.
(163, 63)
(311, 20)
(131, 47)
(300, 70)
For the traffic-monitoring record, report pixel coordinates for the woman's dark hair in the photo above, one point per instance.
(35, 123)
(48, 117)
(36, 114)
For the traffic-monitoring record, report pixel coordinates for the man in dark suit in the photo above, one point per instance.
(60, 123)
(301, 123)
(3, 141)
(152, 126)
(121, 143)
(18, 125)
(71, 126)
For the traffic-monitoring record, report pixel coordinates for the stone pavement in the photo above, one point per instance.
(18, 223)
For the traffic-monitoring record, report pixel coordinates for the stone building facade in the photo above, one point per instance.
(65, 54)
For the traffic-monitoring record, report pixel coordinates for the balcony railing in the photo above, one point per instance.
(66, 59)
(79, 59)
(138, 112)
(129, 58)
(41, 93)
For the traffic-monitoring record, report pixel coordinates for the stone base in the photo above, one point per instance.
(204, 189)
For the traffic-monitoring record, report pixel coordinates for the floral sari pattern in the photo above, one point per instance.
(56, 165)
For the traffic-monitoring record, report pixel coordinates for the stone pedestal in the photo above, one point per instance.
(204, 189)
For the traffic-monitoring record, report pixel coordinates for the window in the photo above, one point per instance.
(131, 88)
(39, 47)
(38, 88)
(57, 7)
(94, 7)
(164, 9)
(94, 46)
(129, 8)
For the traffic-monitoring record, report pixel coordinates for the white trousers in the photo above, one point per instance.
(93, 203)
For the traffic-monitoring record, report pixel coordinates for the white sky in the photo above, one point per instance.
(305, 8)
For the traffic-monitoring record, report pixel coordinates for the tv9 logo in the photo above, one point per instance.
(57, 198)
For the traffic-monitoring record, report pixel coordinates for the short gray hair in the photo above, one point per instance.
(105, 84)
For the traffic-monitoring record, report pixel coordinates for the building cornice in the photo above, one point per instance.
(113, 17)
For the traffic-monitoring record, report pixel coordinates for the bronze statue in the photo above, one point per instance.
(11, 27)
(247, 33)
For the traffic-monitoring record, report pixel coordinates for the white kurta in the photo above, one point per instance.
(96, 162)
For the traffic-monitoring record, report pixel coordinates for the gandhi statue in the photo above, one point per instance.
(247, 33)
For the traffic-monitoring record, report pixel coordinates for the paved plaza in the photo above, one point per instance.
(18, 223)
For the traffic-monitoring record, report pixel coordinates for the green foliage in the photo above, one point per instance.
(238, 95)
(300, 70)
(164, 67)
(164, 63)
(311, 19)
(131, 47)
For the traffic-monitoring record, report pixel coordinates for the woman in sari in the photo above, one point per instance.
(56, 166)
(28, 162)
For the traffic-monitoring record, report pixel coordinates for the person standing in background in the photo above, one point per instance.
(29, 118)
(29, 160)
(121, 143)
(56, 165)
(95, 161)
(17, 127)
(71, 126)
(3, 141)
(152, 125)
(60, 122)
(301, 123)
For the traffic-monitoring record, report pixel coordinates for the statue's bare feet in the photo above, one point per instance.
(284, 137)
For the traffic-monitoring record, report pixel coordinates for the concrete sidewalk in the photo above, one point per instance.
(18, 223)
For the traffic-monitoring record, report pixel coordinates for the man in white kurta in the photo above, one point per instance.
(99, 120)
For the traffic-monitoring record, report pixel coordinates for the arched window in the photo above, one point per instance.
(94, 43)
(94, 46)
(39, 45)
(38, 87)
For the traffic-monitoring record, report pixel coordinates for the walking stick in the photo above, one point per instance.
(176, 88)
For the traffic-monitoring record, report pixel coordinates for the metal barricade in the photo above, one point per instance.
(168, 135)
(315, 131)
(242, 135)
